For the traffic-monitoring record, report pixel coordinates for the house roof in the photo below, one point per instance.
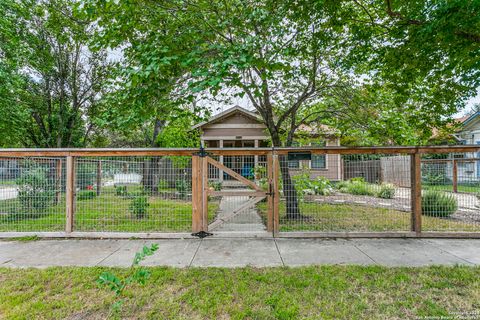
(468, 119)
(319, 129)
(228, 112)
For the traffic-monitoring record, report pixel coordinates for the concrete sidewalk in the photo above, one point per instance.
(242, 252)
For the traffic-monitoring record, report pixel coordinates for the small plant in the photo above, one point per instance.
(163, 184)
(386, 191)
(121, 191)
(86, 195)
(322, 186)
(438, 204)
(358, 188)
(215, 185)
(35, 190)
(139, 206)
(136, 275)
(183, 187)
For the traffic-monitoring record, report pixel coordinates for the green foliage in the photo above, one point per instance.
(53, 82)
(356, 187)
(35, 190)
(86, 195)
(163, 184)
(183, 187)
(121, 191)
(305, 185)
(216, 185)
(138, 275)
(386, 191)
(438, 204)
(139, 206)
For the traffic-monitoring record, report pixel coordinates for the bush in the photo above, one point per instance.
(322, 186)
(438, 204)
(387, 191)
(216, 185)
(35, 190)
(357, 187)
(163, 184)
(139, 206)
(121, 191)
(183, 187)
(86, 195)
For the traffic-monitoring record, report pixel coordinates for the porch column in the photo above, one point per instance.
(255, 159)
(220, 172)
(256, 156)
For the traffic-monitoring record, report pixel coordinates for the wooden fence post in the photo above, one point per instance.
(270, 191)
(70, 196)
(204, 192)
(455, 176)
(276, 194)
(416, 192)
(197, 206)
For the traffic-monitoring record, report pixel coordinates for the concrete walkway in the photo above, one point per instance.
(223, 252)
(246, 220)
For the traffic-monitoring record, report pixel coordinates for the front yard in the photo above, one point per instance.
(107, 212)
(359, 218)
(371, 292)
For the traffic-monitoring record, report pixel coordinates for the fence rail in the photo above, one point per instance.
(413, 191)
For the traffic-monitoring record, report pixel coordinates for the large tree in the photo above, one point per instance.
(298, 62)
(58, 80)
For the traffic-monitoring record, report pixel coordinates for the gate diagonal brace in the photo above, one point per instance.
(202, 234)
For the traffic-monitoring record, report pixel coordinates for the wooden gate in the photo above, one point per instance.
(255, 193)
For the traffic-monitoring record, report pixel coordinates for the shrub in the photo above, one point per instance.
(183, 187)
(387, 191)
(121, 191)
(216, 185)
(139, 206)
(322, 186)
(438, 204)
(163, 184)
(86, 195)
(357, 179)
(35, 190)
(357, 187)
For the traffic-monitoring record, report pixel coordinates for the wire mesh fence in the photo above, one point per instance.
(356, 192)
(32, 194)
(133, 194)
(345, 193)
(451, 192)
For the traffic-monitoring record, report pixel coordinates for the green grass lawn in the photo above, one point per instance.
(449, 188)
(107, 212)
(359, 218)
(320, 292)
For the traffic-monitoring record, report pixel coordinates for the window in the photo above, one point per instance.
(319, 161)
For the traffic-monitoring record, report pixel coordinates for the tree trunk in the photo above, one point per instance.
(289, 191)
(151, 165)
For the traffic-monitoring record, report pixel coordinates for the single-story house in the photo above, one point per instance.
(238, 127)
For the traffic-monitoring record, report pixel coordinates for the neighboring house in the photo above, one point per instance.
(241, 128)
(469, 133)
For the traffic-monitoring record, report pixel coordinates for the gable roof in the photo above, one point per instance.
(468, 119)
(228, 112)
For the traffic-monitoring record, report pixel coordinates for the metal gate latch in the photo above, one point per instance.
(202, 234)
